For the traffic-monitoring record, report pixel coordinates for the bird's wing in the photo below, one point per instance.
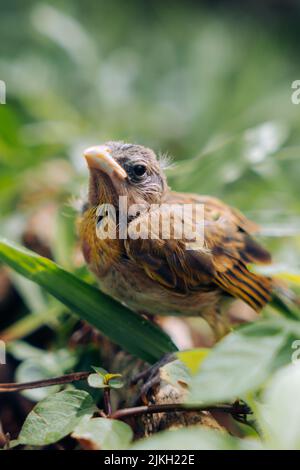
(219, 259)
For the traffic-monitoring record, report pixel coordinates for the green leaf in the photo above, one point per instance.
(64, 236)
(282, 304)
(102, 433)
(30, 293)
(100, 371)
(37, 369)
(131, 331)
(96, 381)
(55, 417)
(116, 382)
(193, 439)
(41, 365)
(243, 361)
(279, 412)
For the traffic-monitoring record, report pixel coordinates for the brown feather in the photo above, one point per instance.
(222, 261)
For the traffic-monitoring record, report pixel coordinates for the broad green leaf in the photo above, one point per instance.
(55, 417)
(103, 434)
(132, 332)
(243, 361)
(194, 438)
(279, 412)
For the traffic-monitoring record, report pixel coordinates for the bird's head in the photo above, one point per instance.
(120, 169)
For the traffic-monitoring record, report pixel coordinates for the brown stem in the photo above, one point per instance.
(63, 379)
(107, 402)
(235, 409)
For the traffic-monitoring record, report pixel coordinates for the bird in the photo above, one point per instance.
(156, 275)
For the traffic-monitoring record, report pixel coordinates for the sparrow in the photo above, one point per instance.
(174, 275)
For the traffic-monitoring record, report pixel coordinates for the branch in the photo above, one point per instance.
(236, 410)
(63, 379)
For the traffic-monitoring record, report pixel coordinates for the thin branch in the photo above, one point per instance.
(237, 409)
(63, 379)
(107, 402)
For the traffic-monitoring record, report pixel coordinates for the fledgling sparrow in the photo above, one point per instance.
(158, 276)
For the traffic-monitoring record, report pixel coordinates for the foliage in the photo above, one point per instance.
(276, 413)
(103, 379)
(244, 360)
(101, 311)
(105, 434)
(55, 417)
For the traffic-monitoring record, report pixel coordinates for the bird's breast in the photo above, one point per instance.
(100, 253)
(129, 284)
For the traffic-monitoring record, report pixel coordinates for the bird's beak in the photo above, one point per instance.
(100, 158)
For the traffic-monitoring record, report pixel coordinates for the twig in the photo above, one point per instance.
(63, 379)
(107, 402)
(236, 410)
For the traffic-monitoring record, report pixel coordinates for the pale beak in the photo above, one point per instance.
(100, 158)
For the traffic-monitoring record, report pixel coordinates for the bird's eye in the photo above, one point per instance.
(139, 170)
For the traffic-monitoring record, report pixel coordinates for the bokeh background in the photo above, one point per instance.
(207, 82)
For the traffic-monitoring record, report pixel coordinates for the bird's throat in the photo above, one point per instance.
(101, 189)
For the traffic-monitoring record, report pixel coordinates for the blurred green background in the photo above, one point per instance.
(207, 82)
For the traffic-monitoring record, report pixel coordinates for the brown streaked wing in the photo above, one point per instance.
(222, 261)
